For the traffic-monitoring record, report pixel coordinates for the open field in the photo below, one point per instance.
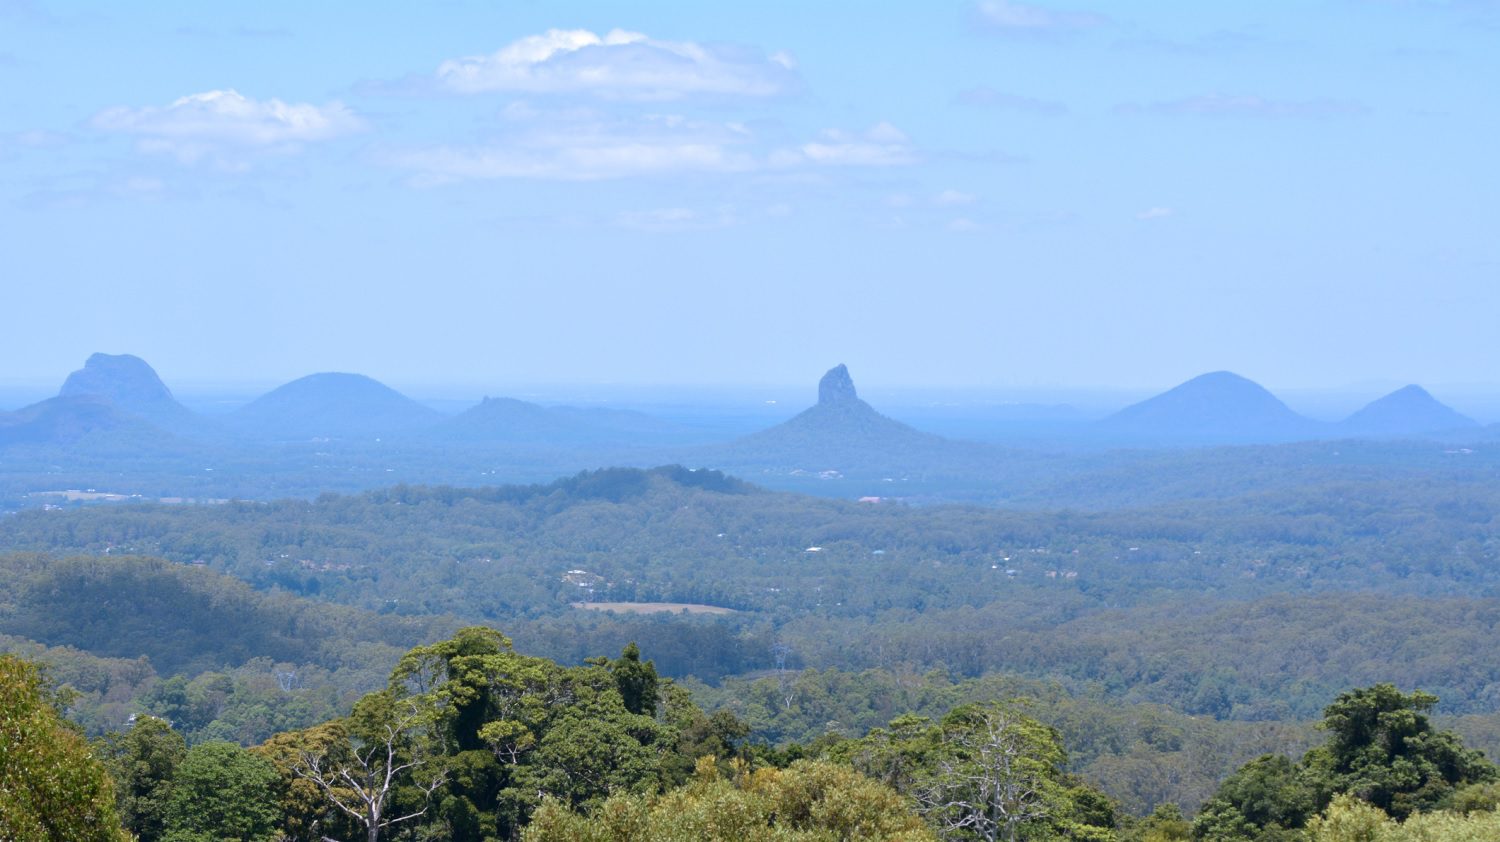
(654, 607)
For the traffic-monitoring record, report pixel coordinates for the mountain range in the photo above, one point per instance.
(118, 401)
(1222, 407)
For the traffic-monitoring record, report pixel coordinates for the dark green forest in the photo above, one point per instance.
(470, 740)
(1161, 647)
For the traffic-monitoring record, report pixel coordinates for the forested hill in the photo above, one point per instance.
(1249, 612)
(677, 535)
(130, 635)
(1119, 599)
(183, 618)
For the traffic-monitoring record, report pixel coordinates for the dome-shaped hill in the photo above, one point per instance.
(1217, 407)
(332, 405)
(1410, 410)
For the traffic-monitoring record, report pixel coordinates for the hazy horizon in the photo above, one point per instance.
(978, 194)
(778, 400)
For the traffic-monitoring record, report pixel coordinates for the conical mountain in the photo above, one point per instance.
(1410, 410)
(332, 405)
(1218, 407)
(130, 384)
(843, 433)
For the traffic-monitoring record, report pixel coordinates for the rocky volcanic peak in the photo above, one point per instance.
(841, 434)
(125, 379)
(836, 386)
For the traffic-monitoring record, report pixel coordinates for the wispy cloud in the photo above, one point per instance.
(882, 145)
(986, 97)
(592, 161)
(1029, 18)
(582, 145)
(1155, 213)
(37, 139)
(586, 146)
(951, 198)
(241, 31)
(130, 188)
(1227, 105)
(672, 220)
(1218, 43)
(25, 11)
(620, 65)
(219, 122)
(1483, 13)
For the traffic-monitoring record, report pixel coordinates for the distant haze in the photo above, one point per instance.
(1024, 197)
(957, 411)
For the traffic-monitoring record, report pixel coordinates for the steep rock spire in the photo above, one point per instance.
(836, 386)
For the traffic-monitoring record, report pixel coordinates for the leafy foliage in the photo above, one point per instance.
(52, 788)
(221, 791)
(986, 772)
(809, 801)
(143, 763)
(1382, 749)
(1349, 819)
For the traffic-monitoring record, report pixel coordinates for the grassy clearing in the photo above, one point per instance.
(654, 607)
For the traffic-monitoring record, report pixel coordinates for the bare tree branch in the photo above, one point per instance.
(361, 785)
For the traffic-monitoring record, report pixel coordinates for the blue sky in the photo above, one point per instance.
(988, 194)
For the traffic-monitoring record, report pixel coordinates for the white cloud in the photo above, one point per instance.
(949, 198)
(964, 225)
(591, 162)
(620, 65)
(214, 121)
(1155, 213)
(882, 145)
(582, 145)
(1011, 16)
(35, 139)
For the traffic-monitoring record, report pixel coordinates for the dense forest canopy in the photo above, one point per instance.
(1165, 644)
(471, 740)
